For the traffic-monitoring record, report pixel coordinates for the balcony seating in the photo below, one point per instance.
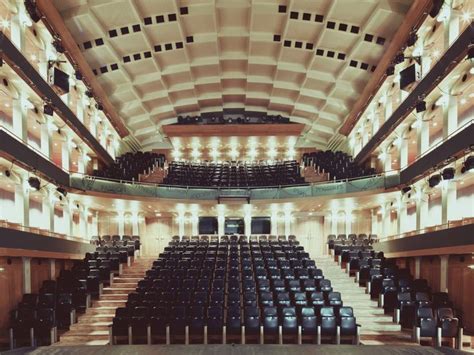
(338, 164)
(233, 174)
(229, 296)
(130, 165)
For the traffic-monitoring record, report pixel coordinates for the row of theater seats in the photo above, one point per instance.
(115, 239)
(338, 164)
(38, 316)
(361, 239)
(130, 165)
(233, 174)
(411, 301)
(234, 290)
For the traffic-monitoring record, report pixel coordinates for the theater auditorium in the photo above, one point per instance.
(236, 176)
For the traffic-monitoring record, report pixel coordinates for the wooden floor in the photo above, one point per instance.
(238, 350)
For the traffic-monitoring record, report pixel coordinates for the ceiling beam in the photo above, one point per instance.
(55, 22)
(415, 16)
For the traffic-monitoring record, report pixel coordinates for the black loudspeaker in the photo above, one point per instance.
(34, 183)
(30, 7)
(437, 4)
(48, 110)
(406, 189)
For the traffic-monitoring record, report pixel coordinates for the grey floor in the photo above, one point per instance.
(236, 350)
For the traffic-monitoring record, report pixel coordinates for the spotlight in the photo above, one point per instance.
(32, 11)
(99, 107)
(48, 110)
(58, 46)
(89, 94)
(390, 70)
(8, 173)
(421, 106)
(436, 7)
(406, 189)
(448, 173)
(468, 164)
(78, 75)
(399, 58)
(62, 191)
(34, 183)
(470, 53)
(434, 180)
(412, 38)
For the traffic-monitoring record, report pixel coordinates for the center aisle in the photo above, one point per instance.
(92, 327)
(377, 328)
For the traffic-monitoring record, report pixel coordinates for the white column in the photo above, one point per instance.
(26, 274)
(121, 223)
(403, 152)
(135, 223)
(180, 220)
(423, 135)
(287, 223)
(46, 138)
(83, 222)
(17, 29)
(194, 224)
(417, 267)
(93, 123)
(52, 269)
(67, 218)
(333, 220)
(387, 163)
(65, 154)
(248, 224)
(451, 28)
(48, 211)
(95, 223)
(274, 223)
(374, 221)
(421, 211)
(388, 108)
(386, 220)
(348, 222)
(443, 268)
(448, 201)
(450, 116)
(22, 203)
(80, 106)
(81, 162)
(401, 216)
(375, 124)
(19, 116)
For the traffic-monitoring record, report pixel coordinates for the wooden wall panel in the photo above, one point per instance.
(461, 288)
(39, 273)
(11, 286)
(430, 270)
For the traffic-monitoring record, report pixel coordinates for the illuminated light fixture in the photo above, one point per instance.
(195, 153)
(177, 154)
(467, 16)
(252, 153)
(233, 153)
(272, 153)
(444, 13)
(4, 23)
(448, 173)
(214, 153)
(463, 101)
(421, 106)
(434, 180)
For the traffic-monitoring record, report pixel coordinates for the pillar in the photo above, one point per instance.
(19, 116)
(94, 120)
(248, 224)
(46, 138)
(388, 108)
(403, 156)
(26, 274)
(417, 267)
(287, 223)
(22, 203)
(52, 269)
(48, 211)
(274, 223)
(17, 29)
(401, 216)
(421, 211)
(80, 106)
(81, 162)
(121, 223)
(135, 223)
(333, 220)
(451, 27)
(448, 201)
(194, 224)
(65, 154)
(220, 224)
(348, 222)
(423, 135)
(387, 163)
(450, 116)
(386, 220)
(83, 222)
(67, 218)
(443, 282)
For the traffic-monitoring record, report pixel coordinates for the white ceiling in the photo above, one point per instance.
(158, 59)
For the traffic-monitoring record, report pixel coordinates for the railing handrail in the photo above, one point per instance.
(450, 224)
(144, 183)
(40, 231)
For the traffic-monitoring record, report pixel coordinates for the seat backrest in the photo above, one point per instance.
(327, 312)
(346, 312)
(424, 312)
(445, 312)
